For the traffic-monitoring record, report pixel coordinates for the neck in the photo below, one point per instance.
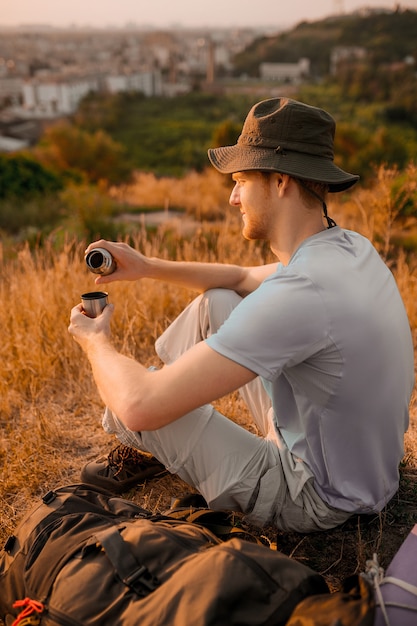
(292, 219)
(293, 229)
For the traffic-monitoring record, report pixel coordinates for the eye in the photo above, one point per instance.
(238, 179)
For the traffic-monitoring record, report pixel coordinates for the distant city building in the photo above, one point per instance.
(285, 72)
(10, 144)
(56, 97)
(61, 96)
(18, 133)
(46, 74)
(10, 90)
(342, 55)
(148, 83)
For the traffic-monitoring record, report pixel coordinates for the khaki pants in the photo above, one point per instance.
(231, 467)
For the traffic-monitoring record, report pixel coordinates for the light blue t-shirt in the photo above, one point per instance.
(329, 335)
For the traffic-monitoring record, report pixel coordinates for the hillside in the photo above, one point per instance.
(372, 98)
(387, 38)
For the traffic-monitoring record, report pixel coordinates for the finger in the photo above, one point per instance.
(108, 311)
(76, 310)
(102, 279)
(101, 243)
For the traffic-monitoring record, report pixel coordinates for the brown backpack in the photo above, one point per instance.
(85, 557)
(353, 605)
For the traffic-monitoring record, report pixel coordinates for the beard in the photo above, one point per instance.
(254, 228)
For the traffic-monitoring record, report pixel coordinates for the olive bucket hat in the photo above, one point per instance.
(286, 136)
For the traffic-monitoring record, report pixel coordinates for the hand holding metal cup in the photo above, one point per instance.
(94, 302)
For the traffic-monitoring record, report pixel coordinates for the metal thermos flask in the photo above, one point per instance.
(100, 261)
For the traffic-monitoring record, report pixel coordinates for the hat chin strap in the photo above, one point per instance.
(330, 222)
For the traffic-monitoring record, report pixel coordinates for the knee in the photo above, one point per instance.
(217, 305)
(221, 298)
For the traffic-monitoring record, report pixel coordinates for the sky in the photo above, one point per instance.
(188, 13)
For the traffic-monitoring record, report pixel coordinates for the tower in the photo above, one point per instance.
(210, 61)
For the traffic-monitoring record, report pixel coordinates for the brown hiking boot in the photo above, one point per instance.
(123, 468)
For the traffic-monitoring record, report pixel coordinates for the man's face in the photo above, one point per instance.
(252, 195)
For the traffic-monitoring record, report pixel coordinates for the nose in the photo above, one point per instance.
(234, 199)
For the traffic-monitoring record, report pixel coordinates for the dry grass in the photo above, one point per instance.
(202, 195)
(50, 411)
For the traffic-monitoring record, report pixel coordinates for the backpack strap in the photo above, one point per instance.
(133, 574)
(221, 523)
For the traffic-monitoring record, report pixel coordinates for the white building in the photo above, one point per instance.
(56, 97)
(10, 144)
(285, 72)
(10, 90)
(148, 83)
(341, 55)
(50, 97)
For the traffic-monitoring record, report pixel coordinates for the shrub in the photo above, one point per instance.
(21, 176)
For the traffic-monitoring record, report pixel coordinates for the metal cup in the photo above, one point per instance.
(94, 302)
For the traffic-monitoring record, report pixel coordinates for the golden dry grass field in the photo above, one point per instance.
(50, 410)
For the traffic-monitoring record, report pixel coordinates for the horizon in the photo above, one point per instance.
(161, 14)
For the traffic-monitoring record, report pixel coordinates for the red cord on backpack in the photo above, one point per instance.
(31, 606)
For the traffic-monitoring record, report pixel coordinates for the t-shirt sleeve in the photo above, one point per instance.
(279, 325)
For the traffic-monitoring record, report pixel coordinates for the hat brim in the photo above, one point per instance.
(238, 158)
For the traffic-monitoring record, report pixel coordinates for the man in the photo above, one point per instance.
(318, 343)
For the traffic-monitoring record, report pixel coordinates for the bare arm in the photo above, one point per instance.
(132, 265)
(147, 400)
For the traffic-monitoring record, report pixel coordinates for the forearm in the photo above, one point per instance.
(121, 381)
(132, 265)
(198, 276)
(144, 399)
(118, 378)
(148, 400)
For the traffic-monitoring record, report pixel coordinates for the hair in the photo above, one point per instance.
(309, 189)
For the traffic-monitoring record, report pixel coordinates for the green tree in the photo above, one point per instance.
(164, 136)
(21, 176)
(226, 133)
(96, 156)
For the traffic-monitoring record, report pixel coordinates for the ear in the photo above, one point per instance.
(282, 182)
(286, 180)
